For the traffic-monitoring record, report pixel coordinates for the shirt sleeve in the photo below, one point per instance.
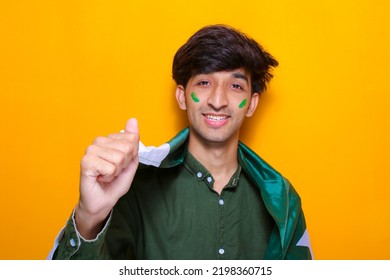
(70, 244)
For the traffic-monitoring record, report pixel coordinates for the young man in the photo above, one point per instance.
(204, 194)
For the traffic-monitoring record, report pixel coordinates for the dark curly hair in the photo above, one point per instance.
(222, 48)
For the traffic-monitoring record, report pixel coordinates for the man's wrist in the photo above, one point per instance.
(88, 225)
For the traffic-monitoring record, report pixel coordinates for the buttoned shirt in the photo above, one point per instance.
(176, 214)
(172, 212)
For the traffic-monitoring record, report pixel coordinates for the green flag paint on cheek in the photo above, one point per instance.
(243, 103)
(194, 97)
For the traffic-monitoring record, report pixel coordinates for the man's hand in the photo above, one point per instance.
(107, 171)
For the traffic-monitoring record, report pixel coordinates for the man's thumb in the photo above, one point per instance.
(132, 125)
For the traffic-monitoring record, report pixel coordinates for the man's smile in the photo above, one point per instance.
(212, 117)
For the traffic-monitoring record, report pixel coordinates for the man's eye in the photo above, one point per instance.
(203, 83)
(237, 86)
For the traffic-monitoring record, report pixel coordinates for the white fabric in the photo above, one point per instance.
(56, 243)
(305, 242)
(151, 155)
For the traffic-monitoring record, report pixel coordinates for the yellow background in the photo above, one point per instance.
(74, 70)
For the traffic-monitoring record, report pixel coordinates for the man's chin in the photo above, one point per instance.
(213, 137)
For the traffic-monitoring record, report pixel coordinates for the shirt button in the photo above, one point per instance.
(209, 179)
(199, 174)
(72, 242)
(221, 202)
(221, 251)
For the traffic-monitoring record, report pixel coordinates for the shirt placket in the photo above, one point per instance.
(221, 228)
(208, 179)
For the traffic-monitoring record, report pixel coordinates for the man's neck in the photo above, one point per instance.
(220, 159)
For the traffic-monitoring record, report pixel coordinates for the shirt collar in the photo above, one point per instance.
(202, 174)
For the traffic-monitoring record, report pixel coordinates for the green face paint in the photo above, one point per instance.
(194, 97)
(243, 103)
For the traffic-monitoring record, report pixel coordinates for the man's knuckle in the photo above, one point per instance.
(127, 148)
(112, 169)
(86, 161)
(120, 157)
(90, 150)
(99, 140)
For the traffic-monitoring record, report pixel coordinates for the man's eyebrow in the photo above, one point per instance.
(240, 76)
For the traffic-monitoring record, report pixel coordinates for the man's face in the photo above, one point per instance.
(217, 103)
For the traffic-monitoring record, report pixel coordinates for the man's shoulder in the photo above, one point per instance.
(256, 165)
(266, 177)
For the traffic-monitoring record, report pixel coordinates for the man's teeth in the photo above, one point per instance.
(216, 118)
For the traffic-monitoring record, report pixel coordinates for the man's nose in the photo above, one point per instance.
(217, 98)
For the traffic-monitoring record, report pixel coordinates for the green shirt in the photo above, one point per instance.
(175, 214)
(162, 216)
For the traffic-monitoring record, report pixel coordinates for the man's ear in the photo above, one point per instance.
(181, 97)
(252, 105)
